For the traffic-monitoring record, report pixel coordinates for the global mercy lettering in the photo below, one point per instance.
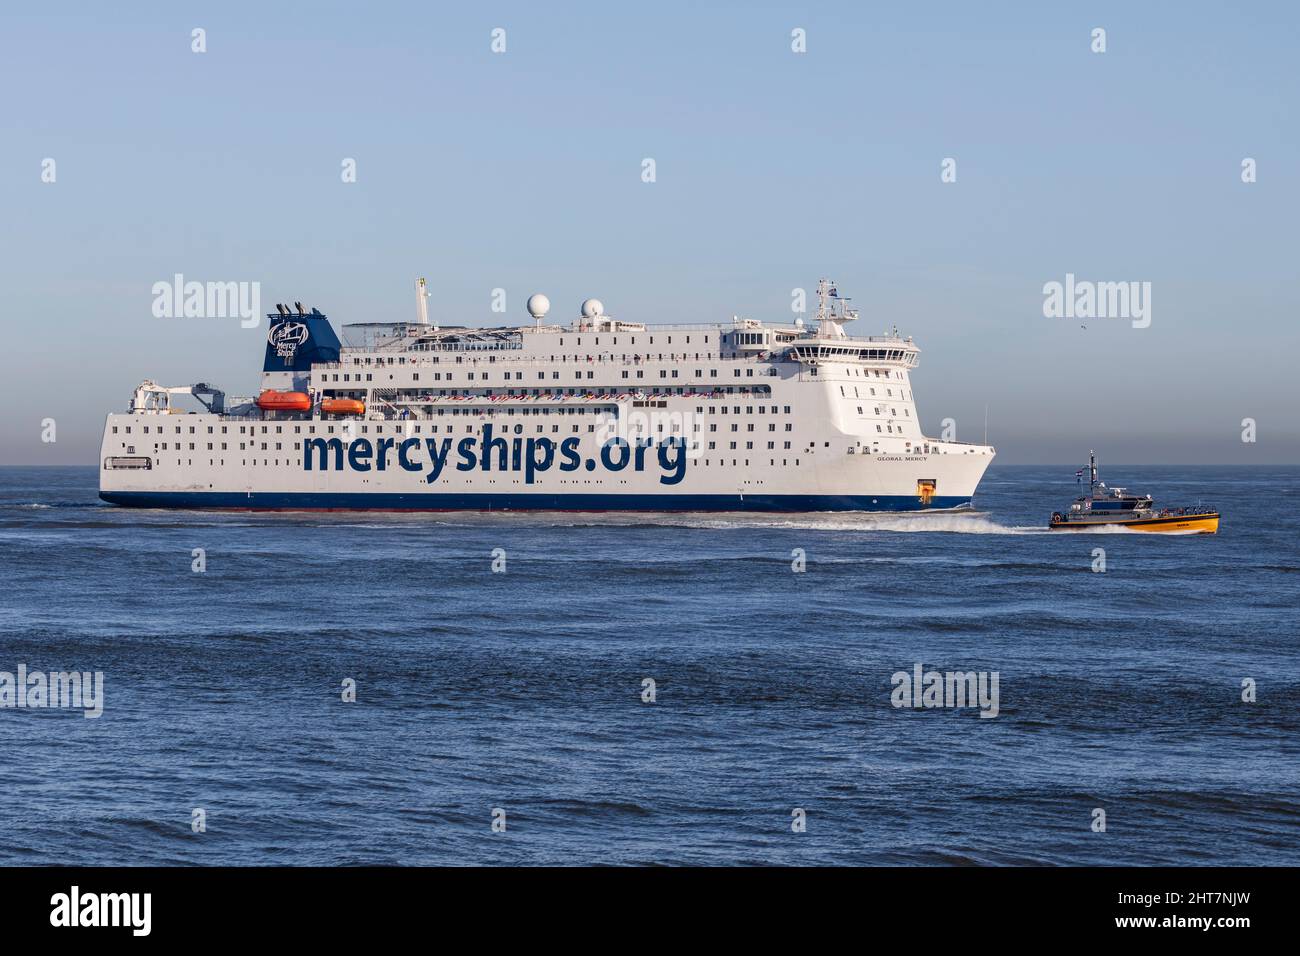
(529, 455)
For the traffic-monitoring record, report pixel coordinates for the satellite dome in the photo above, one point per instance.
(798, 323)
(592, 308)
(538, 305)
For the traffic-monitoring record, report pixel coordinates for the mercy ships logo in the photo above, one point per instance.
(529, 455)
(286, 337)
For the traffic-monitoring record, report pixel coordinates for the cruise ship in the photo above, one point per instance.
(596, 415)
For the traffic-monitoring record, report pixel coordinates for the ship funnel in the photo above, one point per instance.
(295, 342)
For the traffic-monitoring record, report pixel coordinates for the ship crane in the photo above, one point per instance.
(152, 397)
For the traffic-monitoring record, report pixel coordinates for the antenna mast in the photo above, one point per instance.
(421, 305)
(831, 319)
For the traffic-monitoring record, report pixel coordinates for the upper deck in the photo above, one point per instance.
(595, 336)
(608, 338)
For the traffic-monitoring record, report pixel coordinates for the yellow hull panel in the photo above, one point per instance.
(1199, 525)
(1195, 524)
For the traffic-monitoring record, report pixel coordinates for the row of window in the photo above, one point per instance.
(862, 355)
(551, 394)
(379, 429)
(511, 345)
(541, 376)
(707, 462)
(712, 446)
(889, 392)
(907, 413)
(518, 430)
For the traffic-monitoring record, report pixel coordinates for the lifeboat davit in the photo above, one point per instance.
(273, 401)
(343, 406)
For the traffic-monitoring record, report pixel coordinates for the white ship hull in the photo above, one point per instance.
(590, 418)
(820, 481)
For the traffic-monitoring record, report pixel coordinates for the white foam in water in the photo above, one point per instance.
(951, 523)
(970, 522)
(946, 523)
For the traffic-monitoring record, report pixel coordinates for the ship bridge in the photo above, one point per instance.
(875, 350)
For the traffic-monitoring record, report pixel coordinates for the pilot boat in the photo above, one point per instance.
(1103, 506)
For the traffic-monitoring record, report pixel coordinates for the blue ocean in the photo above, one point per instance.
(520, 696)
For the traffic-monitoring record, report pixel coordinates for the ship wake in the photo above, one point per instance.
(966, 522)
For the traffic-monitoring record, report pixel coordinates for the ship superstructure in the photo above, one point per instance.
(600, 414)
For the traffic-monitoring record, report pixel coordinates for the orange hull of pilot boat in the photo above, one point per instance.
(1200, 524)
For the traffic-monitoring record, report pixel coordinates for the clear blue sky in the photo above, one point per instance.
(522, 171)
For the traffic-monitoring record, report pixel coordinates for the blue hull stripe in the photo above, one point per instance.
(381, 501)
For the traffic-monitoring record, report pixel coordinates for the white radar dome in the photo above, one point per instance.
(592, 308)
(538, 305)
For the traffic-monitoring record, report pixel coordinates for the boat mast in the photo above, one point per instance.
(1092, 472)
(823, 326)
(421, 302)
(831, 318)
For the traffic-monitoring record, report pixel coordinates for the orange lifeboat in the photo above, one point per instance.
(343, 406)
(273, 401)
